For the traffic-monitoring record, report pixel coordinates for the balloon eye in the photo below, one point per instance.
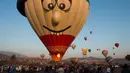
(65, 6)
(50, 6)
(62, 6)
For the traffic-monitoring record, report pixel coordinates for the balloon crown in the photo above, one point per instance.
(21, 6)
(87, 1)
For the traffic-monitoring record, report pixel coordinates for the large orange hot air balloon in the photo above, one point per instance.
(56, 22)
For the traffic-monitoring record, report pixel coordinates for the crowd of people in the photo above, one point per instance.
(20, 68)
(80, 68)
(77, 69)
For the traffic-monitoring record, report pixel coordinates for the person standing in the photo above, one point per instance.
(2, 68)
(60, 70)
(9, 67)
(11, 70)
(108, 70)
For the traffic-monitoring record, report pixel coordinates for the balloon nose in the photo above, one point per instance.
(56, 18)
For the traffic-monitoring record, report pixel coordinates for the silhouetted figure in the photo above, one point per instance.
(9, 69)
(125, 69)
(99, 69)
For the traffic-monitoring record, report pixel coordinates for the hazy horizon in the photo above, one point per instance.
(109, 20)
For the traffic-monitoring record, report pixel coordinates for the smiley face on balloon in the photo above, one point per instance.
(56, 22)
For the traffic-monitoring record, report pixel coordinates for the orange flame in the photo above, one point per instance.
(58, 55)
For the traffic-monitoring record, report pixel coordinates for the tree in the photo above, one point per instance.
(13, 57)
(94, 64)
(127, 57)
(52, 62)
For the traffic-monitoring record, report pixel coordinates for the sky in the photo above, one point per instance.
(109, 20)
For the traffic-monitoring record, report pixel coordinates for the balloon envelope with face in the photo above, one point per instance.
(56, 22)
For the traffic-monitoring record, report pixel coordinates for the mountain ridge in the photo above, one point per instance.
(8, 53)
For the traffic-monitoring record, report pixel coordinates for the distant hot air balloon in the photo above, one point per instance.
(113, 48)
(85, 51)
(85, 38)
(105, 52)
(76, 60)
(98, 49)
(57, 22)
(42, 55)
(117, 45)
(113, 53)
(89, 50)
(73, 46)
(109, 59)
(90, 32)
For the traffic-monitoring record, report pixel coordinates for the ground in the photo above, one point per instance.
(117, 70)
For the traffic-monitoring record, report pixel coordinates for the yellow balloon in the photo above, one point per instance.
(85, 51)
(42, 55)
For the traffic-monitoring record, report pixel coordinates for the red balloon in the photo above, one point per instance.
(105, 52)
(117, 45)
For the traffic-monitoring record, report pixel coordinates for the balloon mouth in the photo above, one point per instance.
(56, 57)
(58, 31)
(57, 44)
